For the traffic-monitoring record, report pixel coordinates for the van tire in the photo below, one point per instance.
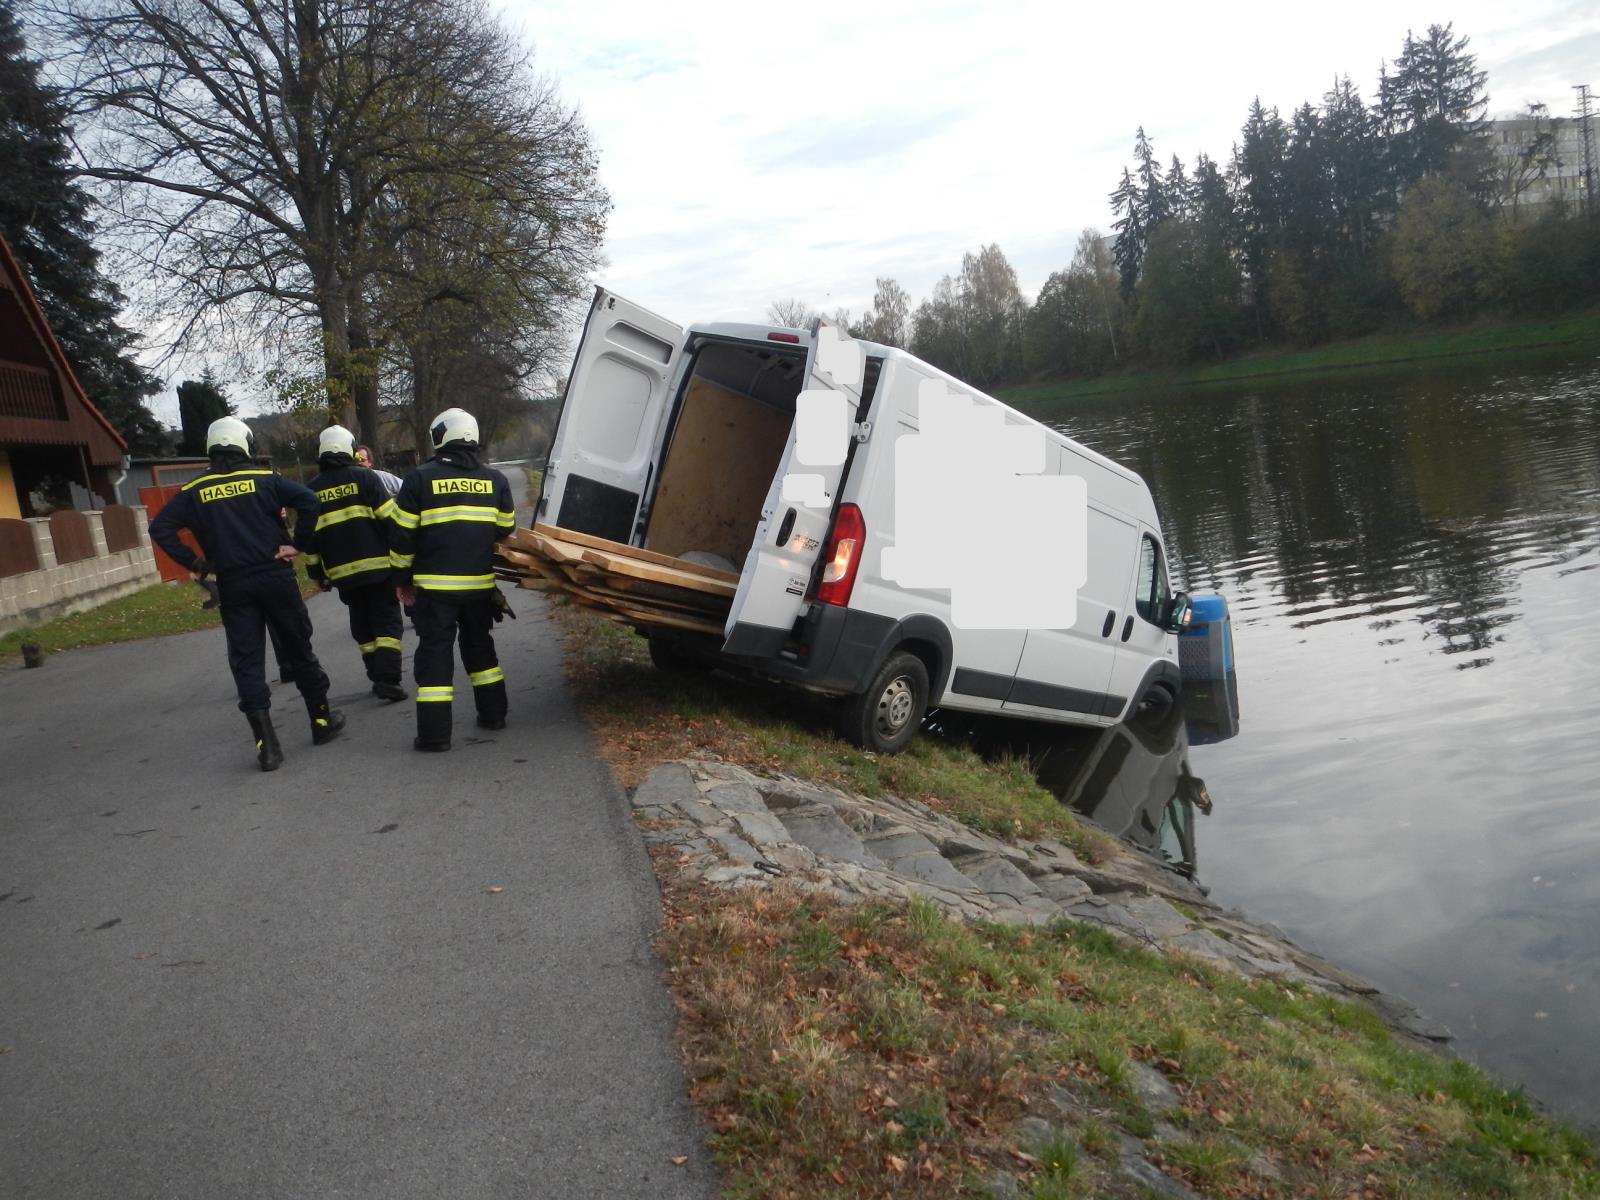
(672, 657)
(888, 714)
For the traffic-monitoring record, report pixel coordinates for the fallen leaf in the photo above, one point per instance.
(893, 1128)
(839, 1176)
(679, 1159)
(895, 1163)
(495, 889)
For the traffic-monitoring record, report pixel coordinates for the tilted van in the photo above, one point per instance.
(678, 441)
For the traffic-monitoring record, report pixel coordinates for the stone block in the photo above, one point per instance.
(667, 784)
(736, 848)
(1063, 889)
(996, 876)
(762, 828)
(931, 868)
(898, 842)
(791, 793)
(821, 831)
(736, 798)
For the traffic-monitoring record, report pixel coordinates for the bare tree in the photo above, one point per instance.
(792, 313)
(248, 148)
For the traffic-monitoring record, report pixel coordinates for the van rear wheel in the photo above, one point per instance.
(887, 715)
(673, 657)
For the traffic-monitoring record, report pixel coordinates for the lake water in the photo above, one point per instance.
(1411, 560)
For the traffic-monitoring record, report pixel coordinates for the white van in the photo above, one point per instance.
(678, 440)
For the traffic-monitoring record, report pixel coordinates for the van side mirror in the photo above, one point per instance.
(1176, 614)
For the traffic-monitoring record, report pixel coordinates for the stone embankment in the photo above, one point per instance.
(734, 828)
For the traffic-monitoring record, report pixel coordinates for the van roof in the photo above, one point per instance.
(758, 333)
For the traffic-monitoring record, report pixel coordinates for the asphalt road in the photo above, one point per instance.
(220, 983)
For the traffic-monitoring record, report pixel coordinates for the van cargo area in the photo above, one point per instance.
(724, 445)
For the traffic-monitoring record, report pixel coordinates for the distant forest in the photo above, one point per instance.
(1344, 219)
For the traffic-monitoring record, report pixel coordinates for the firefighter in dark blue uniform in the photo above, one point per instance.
(447, 517)
(352, 554)
(233, 511)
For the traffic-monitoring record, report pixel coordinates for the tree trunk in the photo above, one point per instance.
(364, 383)
(336, 355)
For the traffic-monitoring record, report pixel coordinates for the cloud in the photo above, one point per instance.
(860, 142)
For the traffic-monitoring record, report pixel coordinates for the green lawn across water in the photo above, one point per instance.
(1364, 352)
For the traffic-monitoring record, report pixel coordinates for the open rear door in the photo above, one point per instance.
(604, 447)
(801, 499)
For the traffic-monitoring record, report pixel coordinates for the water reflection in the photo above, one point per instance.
(1410, 563)
(1410, 503)
(1134, 780)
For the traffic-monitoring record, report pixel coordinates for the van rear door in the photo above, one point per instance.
(605, 441)
(777, 571)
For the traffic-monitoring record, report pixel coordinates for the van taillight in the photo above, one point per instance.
(847, 541)
(792, 338)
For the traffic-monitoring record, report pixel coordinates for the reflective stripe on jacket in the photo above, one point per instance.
(445, 522)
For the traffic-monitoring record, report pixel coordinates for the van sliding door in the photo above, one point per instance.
(605, 438)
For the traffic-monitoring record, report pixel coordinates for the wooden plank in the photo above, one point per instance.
(671, 622)
(556, 533)
(656, 573)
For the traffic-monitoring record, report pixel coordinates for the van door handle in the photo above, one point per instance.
(785, 527)
(1111, 623)
(1127, 628)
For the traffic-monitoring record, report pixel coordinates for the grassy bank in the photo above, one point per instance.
(159, 610)
(644, 716)
(843, 1053)
(1363, 352)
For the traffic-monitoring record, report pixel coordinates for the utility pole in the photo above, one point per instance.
(1584, 115)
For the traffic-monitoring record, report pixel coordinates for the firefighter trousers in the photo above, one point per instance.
(440, 620)
(253, 602)
(375, 625)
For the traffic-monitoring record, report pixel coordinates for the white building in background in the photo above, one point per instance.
(1535, 174)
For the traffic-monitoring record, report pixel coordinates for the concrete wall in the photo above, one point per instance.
(56, 591)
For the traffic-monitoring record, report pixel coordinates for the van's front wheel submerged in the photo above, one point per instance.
(886, 716)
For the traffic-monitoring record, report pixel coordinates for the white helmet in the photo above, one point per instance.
(453, 425)
(229, 433)
(336, 439)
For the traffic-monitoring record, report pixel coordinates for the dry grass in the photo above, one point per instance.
(850, 1053)
(887, 1052)
(644, 717)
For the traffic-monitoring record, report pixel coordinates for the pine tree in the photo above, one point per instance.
(1176, 189)
(1133, 230)
(1433, 108)
(200, 402)
(44, 216)
(1258, 168)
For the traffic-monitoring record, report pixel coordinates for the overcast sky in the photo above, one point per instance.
(762, 151)
(757, 152)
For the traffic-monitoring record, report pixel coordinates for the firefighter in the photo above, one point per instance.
(352, 554)
(450, 512)
(233, 511)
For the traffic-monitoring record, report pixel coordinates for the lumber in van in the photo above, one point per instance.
(678, 441)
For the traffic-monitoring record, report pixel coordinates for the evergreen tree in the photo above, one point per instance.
(1358, 195)
(1258, 169)
(1176, 189)
(1132, 225)
(1157, 204)
(200, 402)
(44, 216)
(1433, 108)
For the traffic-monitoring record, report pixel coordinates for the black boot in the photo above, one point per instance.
(388, 690)
(325, 722)
(268, 753)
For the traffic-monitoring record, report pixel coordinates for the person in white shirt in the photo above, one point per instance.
(391, 483)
